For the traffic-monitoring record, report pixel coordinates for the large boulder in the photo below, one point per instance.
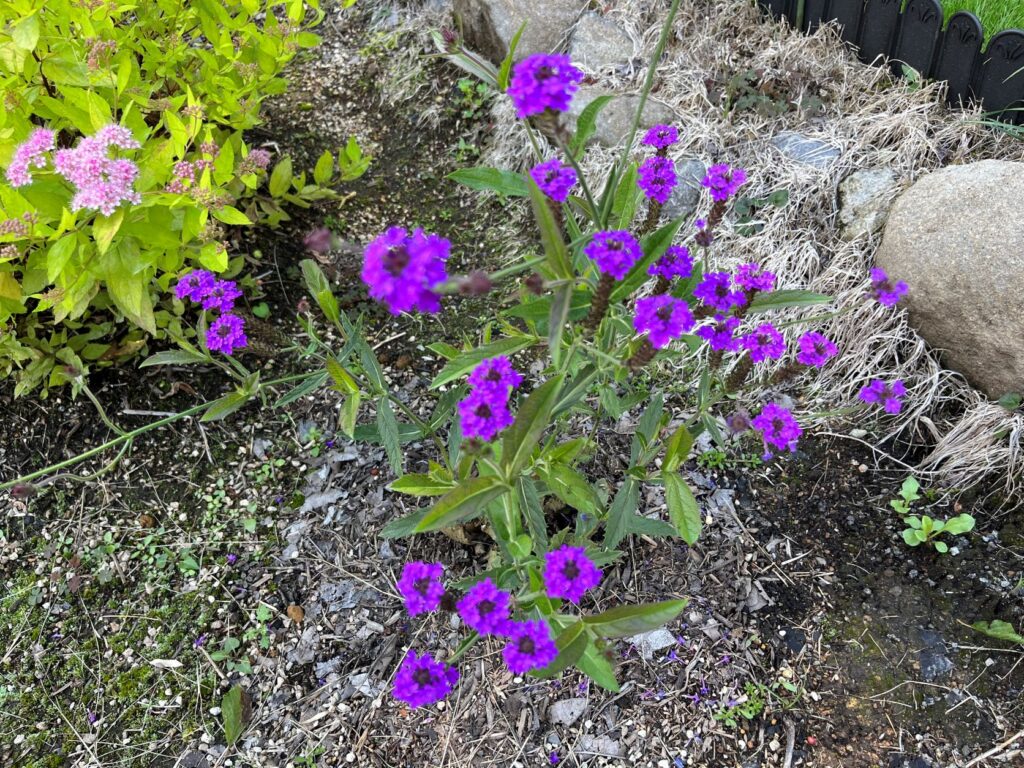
(616, 118)
(599, 44)
(957, 238)
(490, 25)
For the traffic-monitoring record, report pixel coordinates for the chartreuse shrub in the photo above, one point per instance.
(121, 135)
(614, 294)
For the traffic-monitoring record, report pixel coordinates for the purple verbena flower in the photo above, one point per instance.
(661, 136)
(716, 291)
(226, 334)
(569, 573)
(200, 641)
(402, 270)
(888, 395)
(614, 252)
(764, 343)
(720, 336)
(30, 154)
(663, 318)
(232, 558)
(723, 182)
(497, 373)
(530, 646)
(885, 290)
(657, 178)
(221, 296)
(484, 413)
(675, 262)
(554, 179)
(778, 428)
(750, 277)
(195, 285)
(815, 349)
(542, 82)
(485, 608)
(421, 680)
(420, 586)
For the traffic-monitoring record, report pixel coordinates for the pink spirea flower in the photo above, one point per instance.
(778, 428)
(30, 154)
(256, 160)
(420, 586)
(485, 608)
(497, 373)
(226, 334)
(716, 291)
(554, 179)
(750, 277)
(887, 395)
(569, 573)
(675, 262)
(614, 252)
(195, 285)
(656, 176)
(402, 270)
(887, 292)
(720, 336)
(421, 680)
(723, 182)
(663, 318)
(221, 296)
(815, 349)
(661, 136)
(530, 646)
(484, 413)
(102, 182)
(764, 343)
(543, 82)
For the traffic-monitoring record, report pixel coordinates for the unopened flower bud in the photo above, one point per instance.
(450, 37)
(23, 491)
(319, 240)
(535, 284)
(476, 283)
(738, 421)
(303, 306)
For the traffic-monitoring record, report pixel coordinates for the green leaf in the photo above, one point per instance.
(586, 123)
(533, 418)
(682, 507)
(349, 414)
(1000, 630)
(343, 382)
(941, 547)
(654, 246)
(281, 177)
(226, 405)
(677, 450)
(104, 228)
(627, 195)
(25, 33)
(551, 236)
(231, 215)
(466, 500)
(311, 384)
(533, 511)
(960, 524)
(627, 620)
(576, 390)
(174, 357)
(623, 507)
(648, 526)
(387, 425)
(236, 709)
(910, 536)
(421, 485)
(324, 169)
(572, 488)
(492, 180)
(506, 65)
(765, 302)
(596, 665)
(571, 642)
(59, 255)
(647, 429)
(466, 361)
(560, 305)
(320, 289)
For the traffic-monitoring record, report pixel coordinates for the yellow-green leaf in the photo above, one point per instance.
(105, 227)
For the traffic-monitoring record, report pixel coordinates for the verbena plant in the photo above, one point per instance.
(121, 131)
(614, 297)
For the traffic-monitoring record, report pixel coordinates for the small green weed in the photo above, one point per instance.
(922, 529)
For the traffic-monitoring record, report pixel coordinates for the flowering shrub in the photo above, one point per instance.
(123, 155)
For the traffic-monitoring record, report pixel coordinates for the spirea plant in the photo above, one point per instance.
(121, 140)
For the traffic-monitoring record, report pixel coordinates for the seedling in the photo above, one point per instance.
(922, 529)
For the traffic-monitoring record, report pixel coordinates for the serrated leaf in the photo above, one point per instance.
(682, 507)
(309, 385)
(623, 507)
(533, 418)
(387, 426)
(533, 511)
(627, 620)
(466, 500)
(236, 709)
(677, 450)
(225, 406)
(466, 361)
(341, 378)
(492, 180)
(421, 485)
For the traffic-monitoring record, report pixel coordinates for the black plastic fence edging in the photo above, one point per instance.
(911, 32)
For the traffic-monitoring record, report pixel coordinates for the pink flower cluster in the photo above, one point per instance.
(102, 182)
(30, 154)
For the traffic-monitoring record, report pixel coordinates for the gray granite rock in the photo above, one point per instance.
(865, 198)
(566, 711)
(806, 149)
(616, 118)
(490, 25)
(956, 238)
(599, 44)
(687, 194)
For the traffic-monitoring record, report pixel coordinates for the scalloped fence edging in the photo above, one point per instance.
(915, 36)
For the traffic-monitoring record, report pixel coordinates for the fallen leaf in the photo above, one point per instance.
(236, 707)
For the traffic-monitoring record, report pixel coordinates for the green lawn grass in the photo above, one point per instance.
(995, 15)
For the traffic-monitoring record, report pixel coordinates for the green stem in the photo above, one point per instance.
(423, 426)
(580, 177)
(517, 268)
(99, 408)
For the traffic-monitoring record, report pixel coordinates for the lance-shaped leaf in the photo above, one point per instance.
(550, 235)
(533, 511)
(597, 666)
(765, 302)
(561, 302)
(682, 507)
(576, 390)
(465, 501)
(629, 620)
(677, 450)
(623, 508)
(421, 485)
(533, 418)
(467, 361)
(586, 123)
(485, 179)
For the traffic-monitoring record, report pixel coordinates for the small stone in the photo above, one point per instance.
(295, 613)
(490, 25)
(649, 642)
(806, 149)
(864, 201)
(566, 711)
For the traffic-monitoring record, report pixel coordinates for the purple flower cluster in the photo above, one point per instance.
(663, 318)
(723, 182)
(657, 178)
(402, 270)
(750, 277)
(485, 608)
(484, 412)
(554, 179)
(542, 82)
(720, 336)
(614, 252)
(717, 291)
(661, 136)
(30, 154)
(778, 429)
(101, 181)
(421, 680)
(227, 332)
(815, 349)
(530, 646)
(569, 573)
(887, 395)
(887, 292)
(421, 587)
(675, 262)
(764, 343)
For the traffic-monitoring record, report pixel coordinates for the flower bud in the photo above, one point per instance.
(23, 491)
(535, 284)
(738, 421)
(303, 306)
(319, 240)
(476, 283)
